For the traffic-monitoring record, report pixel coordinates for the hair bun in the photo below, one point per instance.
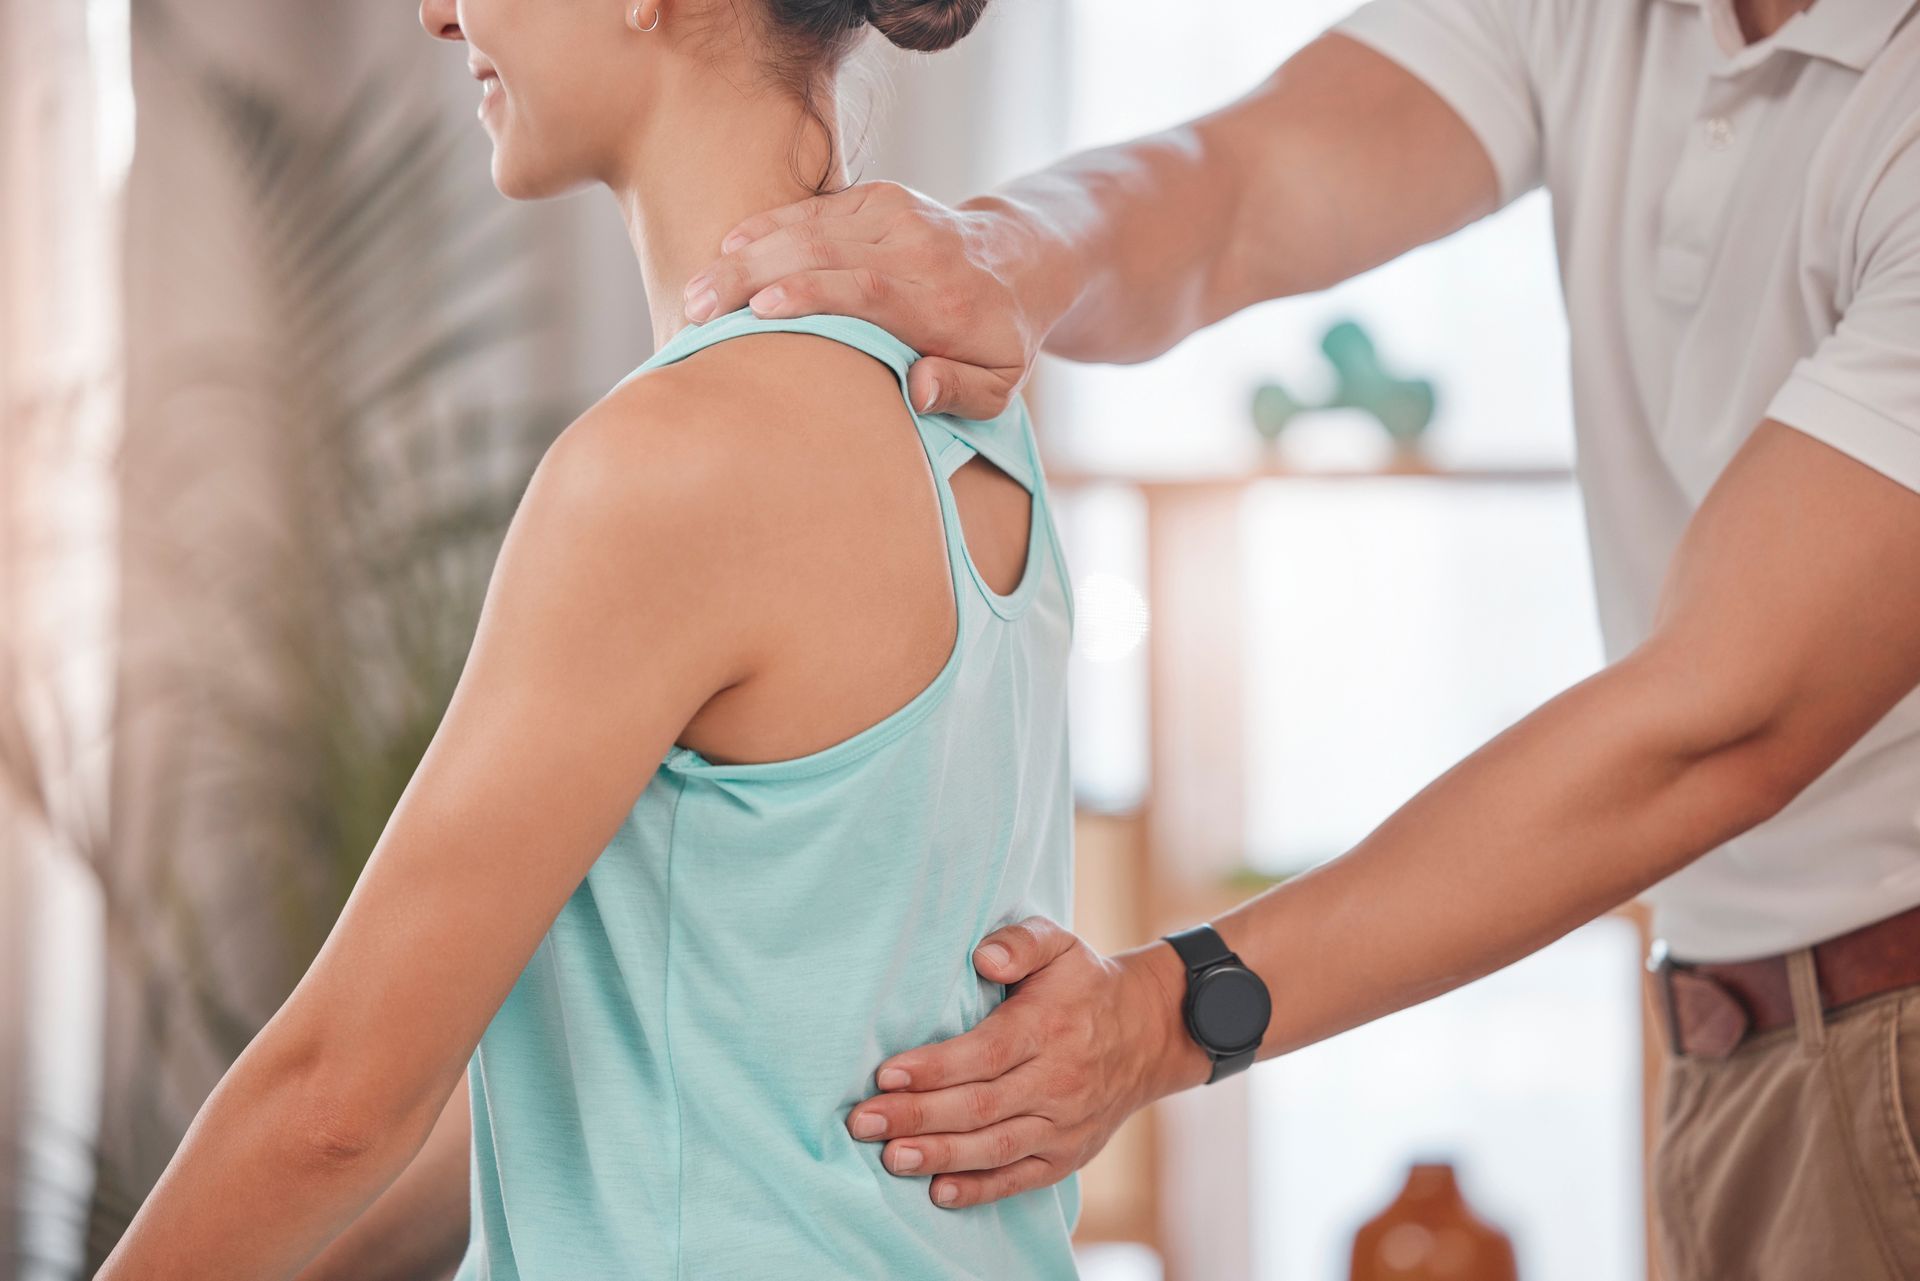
(926, 25)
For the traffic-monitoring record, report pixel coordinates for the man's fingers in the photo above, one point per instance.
(1016, 951)
(973, 1105)
(998, 1145)
(818, 244)
(748, 230)
(956, 1191)
(995, 1046)
(861, 291)
(878, 194)
(941, 386)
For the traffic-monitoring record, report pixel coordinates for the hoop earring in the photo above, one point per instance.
(633, 18)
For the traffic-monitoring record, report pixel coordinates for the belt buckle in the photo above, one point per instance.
(1719, 1016)
(1660, 966)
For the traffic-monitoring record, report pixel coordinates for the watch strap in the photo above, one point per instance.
(1227, 1065)
(1200, 947)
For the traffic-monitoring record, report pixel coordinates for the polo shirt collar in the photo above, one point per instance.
(1849, 32)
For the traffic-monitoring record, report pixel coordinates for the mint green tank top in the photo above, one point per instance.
(664, 1094)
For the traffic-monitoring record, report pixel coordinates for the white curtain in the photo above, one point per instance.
(64, 135)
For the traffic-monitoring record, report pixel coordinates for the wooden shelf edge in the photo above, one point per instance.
(1072, 478)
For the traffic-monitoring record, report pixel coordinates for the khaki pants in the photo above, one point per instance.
(1795, 1159)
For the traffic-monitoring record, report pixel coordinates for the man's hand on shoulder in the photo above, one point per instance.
(939, 279)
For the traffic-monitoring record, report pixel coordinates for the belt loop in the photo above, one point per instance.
(1809, 1017)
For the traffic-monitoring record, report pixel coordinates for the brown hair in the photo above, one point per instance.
(808, 39)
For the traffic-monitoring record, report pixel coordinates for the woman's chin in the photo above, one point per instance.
(503, 179)
(514, 181)
(531, 182)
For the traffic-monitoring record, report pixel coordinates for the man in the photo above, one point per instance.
(1736, 190)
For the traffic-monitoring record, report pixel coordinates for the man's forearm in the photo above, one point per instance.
(1112, 251)
(1577, 808)
(1338, 162)
(1776, 648)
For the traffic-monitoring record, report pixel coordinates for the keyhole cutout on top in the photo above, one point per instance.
(996, 517)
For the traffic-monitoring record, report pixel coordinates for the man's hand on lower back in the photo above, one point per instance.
(1032, 1092)
(939, 279)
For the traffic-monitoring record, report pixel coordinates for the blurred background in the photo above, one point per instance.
(276, 362)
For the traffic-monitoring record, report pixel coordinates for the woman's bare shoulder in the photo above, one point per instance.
(775, 418)
(764, 459)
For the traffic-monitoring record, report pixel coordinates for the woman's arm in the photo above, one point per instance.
(1339, 161)
(417, 1230)
(600, 638)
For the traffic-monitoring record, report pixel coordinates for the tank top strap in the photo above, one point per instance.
(950, 442)
(853, 331)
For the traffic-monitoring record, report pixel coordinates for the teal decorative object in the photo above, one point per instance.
(1404, 407)
(1273, 409)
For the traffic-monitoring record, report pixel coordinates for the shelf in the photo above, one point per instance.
(1399, 469)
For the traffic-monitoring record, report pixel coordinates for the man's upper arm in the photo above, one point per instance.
(588, 661)
(1397, 127)
(1860, 389)
(1788, 625)
(1474, 55)
(1793, 595)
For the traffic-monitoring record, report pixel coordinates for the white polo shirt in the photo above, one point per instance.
(1739, 238)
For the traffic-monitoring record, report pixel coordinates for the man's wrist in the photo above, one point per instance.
(1038, 265)
(1176, 1061)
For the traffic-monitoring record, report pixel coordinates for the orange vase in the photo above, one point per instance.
(1430, 1233)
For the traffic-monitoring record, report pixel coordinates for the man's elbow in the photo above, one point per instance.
(1763, 775)
(1747, 747)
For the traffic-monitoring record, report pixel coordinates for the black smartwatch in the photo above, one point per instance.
(1227, 1006)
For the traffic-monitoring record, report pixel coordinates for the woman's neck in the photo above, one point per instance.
(716, 158)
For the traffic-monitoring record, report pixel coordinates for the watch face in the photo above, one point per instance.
(1230, 1008)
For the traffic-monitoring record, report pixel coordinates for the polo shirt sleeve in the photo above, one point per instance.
(1473, 53)
(1860, 389)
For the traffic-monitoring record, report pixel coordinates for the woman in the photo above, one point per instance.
(762, 729)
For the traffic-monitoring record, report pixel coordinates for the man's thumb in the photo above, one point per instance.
(1014, 952)
(940, 386)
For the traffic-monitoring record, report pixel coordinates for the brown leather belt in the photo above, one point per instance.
(1712, 1007)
